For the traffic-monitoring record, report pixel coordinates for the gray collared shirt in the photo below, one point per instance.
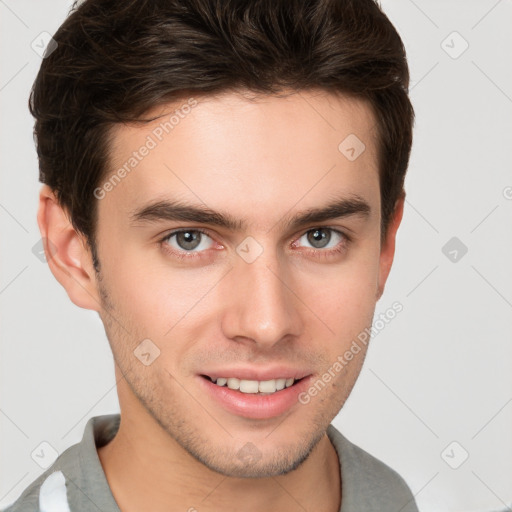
(76, 480)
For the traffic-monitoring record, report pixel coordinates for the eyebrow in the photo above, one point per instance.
(167, 210)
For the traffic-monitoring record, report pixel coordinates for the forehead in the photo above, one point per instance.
(250, 154)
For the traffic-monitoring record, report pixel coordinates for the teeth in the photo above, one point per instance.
(254, 386)
(249, 386)
(267, 386)
(233, 383)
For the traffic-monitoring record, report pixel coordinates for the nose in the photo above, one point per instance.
(263, 303)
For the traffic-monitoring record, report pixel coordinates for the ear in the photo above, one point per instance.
(67, 252)
(387, 251)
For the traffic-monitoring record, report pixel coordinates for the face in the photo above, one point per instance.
(243, 244)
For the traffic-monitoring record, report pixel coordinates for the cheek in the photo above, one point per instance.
(344, 296)
(347, 309)
(157, 298)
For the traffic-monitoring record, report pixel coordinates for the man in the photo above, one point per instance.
(223, 184)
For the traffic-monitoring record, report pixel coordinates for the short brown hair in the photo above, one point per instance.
(116, 60)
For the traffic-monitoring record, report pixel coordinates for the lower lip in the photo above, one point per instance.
(252, 405)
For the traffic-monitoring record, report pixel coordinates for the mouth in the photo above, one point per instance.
(255, 399)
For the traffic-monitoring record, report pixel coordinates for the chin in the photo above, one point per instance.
(250, 462)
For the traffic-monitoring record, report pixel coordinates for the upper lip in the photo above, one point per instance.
(260, 374)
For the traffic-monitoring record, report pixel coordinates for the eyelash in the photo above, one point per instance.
(319, 253)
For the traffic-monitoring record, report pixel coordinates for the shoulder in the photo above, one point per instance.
(367, 482)
(49, 487)
(76, 474)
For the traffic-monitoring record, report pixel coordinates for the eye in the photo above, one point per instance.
(324, 238)
(188, 240)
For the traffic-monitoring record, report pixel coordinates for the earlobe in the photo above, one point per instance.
(66, 251)
(387, 252)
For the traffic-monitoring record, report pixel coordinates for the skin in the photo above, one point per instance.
(260, 161)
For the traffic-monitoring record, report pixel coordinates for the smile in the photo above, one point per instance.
(255, 399)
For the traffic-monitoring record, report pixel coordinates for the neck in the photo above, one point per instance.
(148, 470)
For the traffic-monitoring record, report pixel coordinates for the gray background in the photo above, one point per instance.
(436, 386)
